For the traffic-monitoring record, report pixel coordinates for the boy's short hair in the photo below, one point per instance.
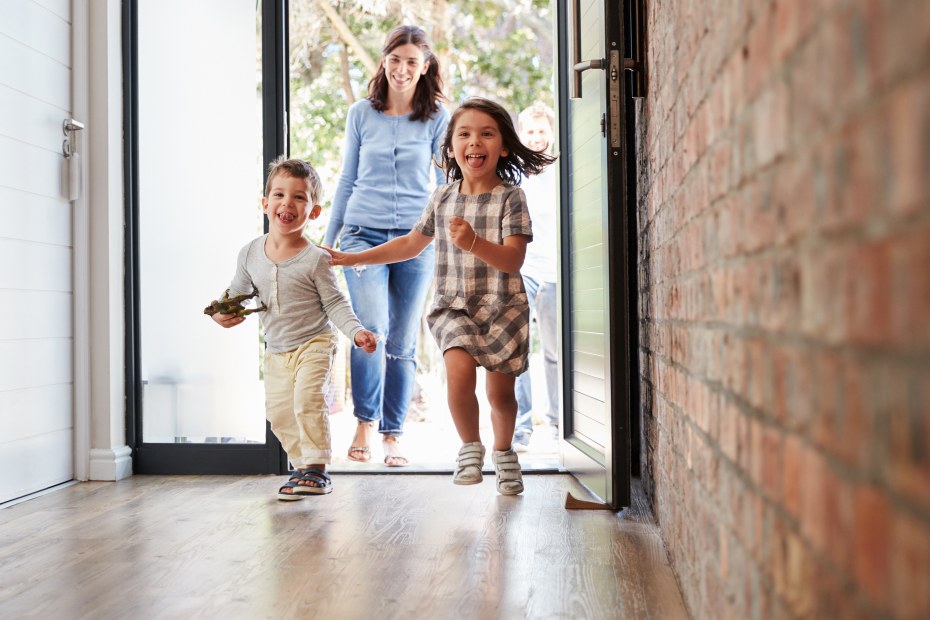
(299, 169)
(537, 110)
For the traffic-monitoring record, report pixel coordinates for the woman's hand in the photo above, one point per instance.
(366, 340)
(461, 233)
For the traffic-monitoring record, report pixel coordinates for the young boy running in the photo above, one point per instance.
(302, 302)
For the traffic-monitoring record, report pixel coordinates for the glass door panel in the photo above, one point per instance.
(199, 147)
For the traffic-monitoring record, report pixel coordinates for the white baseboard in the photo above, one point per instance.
(110, 463)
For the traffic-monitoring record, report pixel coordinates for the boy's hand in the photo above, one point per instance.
(227, 320)
(343, 259)
(461, 233)
(366, 340)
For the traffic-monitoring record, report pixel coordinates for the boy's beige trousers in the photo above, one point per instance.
(297, 388)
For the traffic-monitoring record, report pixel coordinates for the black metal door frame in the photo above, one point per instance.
(171, 458)
(623, 33)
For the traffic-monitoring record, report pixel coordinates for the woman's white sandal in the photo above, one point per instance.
(470, 461)
(509, 475)
(392, 452)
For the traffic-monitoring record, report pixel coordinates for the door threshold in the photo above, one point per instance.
(539, 467)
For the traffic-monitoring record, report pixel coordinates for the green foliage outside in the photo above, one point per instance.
(500, 49)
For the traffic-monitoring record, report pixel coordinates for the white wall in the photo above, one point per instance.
(109, 455)
(36, 420)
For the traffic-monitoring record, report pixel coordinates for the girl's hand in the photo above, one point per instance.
(227, 320)
(461, 233)
(344, 259)
(366, 340)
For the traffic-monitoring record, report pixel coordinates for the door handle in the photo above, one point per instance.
(68, 127)
(580, 66)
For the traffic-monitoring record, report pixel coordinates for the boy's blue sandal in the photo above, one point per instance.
(303, 483)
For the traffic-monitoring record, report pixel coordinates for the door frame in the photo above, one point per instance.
(623, 364)
(80, 108)
(171, 458)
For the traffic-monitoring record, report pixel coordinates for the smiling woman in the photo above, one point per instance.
(391, 140)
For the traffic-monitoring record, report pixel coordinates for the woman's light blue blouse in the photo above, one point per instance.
(385, 181)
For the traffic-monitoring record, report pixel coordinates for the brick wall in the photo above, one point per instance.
(785, 272)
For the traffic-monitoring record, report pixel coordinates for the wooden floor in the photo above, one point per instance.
(380, 546)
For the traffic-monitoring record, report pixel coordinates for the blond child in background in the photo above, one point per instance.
(540, 276)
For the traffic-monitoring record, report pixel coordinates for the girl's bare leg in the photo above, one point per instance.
(500, 389)
(463, 404)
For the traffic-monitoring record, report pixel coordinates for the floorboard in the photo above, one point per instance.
(385, 546)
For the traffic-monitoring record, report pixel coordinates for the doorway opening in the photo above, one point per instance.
(505, 52)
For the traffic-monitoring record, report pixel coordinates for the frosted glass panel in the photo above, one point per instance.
(200, 172)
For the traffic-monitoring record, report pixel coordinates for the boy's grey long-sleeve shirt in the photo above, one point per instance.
(301, 295)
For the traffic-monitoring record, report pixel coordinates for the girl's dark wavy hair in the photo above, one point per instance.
(429, 88)
(521, 161)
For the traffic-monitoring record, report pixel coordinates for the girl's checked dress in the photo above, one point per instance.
(477, 307)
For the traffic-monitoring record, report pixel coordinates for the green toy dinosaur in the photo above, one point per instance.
(232, 305)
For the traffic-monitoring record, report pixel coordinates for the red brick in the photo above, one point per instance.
(812, 98)
(758, 52)
(871, 543)
(908, 156)
(813, 510)
(771, 128)
(758, 531)
(799, 572)
(744, 445)
(910, 567)
(772, 468)
(723, 556)
(899, 39)
(824, 273)
(759, 374)
(788, 234)
(793, 473)
(854, 446)
(844, 49)
(787, 29)
(777, 560)
(868, 295)
(838, 515)
(783, 379)
(759, 218)
(906, 406)
(734, 363)
(826, 431)
(781, 310)
(729, 425)
(852, 176)
(910, 290)
(757, 452)
(794, 199)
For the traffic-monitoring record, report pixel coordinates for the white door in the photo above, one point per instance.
(36, 248)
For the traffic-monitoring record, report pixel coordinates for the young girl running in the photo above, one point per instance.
(479, 315)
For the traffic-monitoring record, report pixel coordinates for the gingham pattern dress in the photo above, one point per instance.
(477, 307)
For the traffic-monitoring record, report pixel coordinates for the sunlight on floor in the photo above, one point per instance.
(430, 441)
